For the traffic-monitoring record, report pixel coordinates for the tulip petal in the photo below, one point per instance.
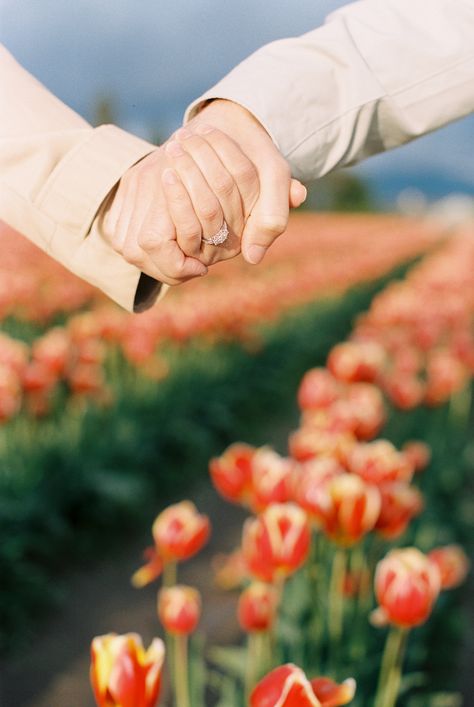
(332, 694)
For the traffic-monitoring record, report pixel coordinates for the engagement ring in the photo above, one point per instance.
(219, 238)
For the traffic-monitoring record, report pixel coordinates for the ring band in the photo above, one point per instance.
(218, 238)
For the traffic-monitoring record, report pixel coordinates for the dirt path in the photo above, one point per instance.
(54, 673)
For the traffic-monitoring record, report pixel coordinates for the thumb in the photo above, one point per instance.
(298, 193)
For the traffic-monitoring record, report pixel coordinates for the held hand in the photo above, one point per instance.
(269, 217)
(181, 192)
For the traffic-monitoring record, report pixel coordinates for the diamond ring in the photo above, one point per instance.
(218, 238)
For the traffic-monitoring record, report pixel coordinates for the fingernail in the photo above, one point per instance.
(204, 129)
(255, 254)
(174, 149)
(183, 134)
(169, 176)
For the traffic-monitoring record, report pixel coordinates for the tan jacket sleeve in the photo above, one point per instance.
(377, 74)
(56, 172)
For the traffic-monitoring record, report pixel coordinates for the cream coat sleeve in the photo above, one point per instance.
(56, 172)
(377, 74)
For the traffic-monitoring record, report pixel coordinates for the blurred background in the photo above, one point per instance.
(105, 417)
(141, 64)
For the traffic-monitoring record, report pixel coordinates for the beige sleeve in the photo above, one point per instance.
(377, 74)
(56, 172)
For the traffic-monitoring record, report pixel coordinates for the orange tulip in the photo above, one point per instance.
(407, 585)
(123, 674)
(349, 508)
(179, 609)
(452, 563)
(378, 462)
(276, 543)
(257, 607)
(400, 503)
(180, 532)
(231, 473)
(288, 686)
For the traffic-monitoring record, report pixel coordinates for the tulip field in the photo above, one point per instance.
(328, 393)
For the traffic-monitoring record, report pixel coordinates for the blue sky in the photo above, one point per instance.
(155, 56)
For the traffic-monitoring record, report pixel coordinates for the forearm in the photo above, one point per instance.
(56, 173)
(378, 74)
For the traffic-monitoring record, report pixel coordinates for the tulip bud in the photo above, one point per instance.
(231, 473)
(452, 563)
(407, 585)
(378, 462)
(180, 531)
(318, 389)
(400, 503)
(288, 686)
(350, 508)
(123, 674)
(257, 607)
(276, 543)
(179, 609)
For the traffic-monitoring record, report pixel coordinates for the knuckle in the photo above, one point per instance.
(132, 254)
(223, 185)
(246, 173)
(190, 231)
(209, 211)
(273, 226)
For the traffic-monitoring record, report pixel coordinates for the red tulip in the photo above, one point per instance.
(378, 462)
(276, 543)
(404, 390)
(288, 686)
(179, 609)
(53, 350)
(231, 473)
(446, 375)
(180, 532)
(257, 607)
(407, 585)
(123, 674)
(452, 563)
(349, 509)
(318, 389)
(400, 503)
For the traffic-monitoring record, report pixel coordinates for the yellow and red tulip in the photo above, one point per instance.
(123, 673)
(179, 609)
(354, 361)
(271, 479)
(180, 532)
(400, 503)
(318, 389)
(257, 607)
(276, 543)
(348, 508)
(288, 686)
(452, 563)
(407, 585)
(378, 462)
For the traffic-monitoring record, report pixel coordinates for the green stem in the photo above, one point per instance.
(181, 677)
(336, 594)
(170, 574)
(391, 668)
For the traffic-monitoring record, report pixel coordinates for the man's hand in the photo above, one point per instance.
(269, 217)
